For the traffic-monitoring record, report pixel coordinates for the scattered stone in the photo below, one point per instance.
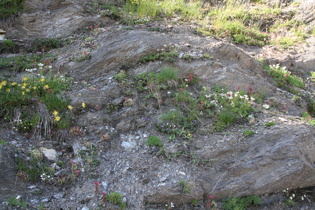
(128, 145)
(50, 154)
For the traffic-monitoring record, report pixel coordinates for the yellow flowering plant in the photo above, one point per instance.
(27, 93)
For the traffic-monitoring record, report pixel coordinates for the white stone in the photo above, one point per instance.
(128, 145)
(50, 154)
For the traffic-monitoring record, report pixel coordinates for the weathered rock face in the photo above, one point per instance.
(53, 19)
(271, 160)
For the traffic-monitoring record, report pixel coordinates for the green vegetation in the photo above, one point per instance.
(154, 141)
(247, 133)
(283, 78)
(3, 142)
(40, 45)
(27, 62)
(242, 22)
(168, 54)
(236, 203)
(116, 199)
(34, 170)
(120, 76)
(29, 102)
(10, 7)
(270, 124)
(185, 186)
(7, 46)
(17, 202)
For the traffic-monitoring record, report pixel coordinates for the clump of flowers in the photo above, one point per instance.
(211, 204)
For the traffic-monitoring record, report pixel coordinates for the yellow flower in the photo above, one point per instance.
(13, 83)
(46, 87)
(83, 105)
(4, 83)
(27, 90)
(23, 93)
(55, 113)
(70, 107)
(57, 118)
(24, 78)
(0, 86)
(34, 87)
(8, 90)
(42, 79)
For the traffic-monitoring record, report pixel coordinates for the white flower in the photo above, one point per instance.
(40, 65)
(172, 205)
(168, 92)
(266, 106)
(302, 198)
(208, 96)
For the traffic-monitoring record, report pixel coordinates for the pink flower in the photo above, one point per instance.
(211, 196)
(96, 183)
(85, 53)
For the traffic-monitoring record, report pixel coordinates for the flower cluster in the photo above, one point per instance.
(190, 78)
(56, 116)
(46, 178)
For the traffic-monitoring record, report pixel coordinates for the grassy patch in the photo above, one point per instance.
(248, 133)
(185, 186)
(116, 199)
(10, 7)
(154, 141)
(29, 102)
(283, 78)
(270, 124)
(240, 203)
(28, 62)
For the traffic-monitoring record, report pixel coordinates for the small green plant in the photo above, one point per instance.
(28, 62)
(270, 124)
(185, 186)
(116, 199)
(168, 55)
(40, 45)
(284, 78)
(17, 202)
(7, 46)
(236, 203)
(167, 74)
(307, 117)
(10, 7)
(247, 133)
(154, 141)
(194, 202)
(35, 99)
(3, 142)
(122, 75)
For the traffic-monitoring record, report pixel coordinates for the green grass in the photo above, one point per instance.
(153, 9)
(116, 199)
(248, 133)
(167, 74)
(10, 7)
(185, 186)
(31, 97)
(47, 44)
(270, 124)
(23, 62)
(283, 78)
(154, 141)
(236, 203)
(13, 201)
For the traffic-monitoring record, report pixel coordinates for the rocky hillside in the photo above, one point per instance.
(101, 113)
